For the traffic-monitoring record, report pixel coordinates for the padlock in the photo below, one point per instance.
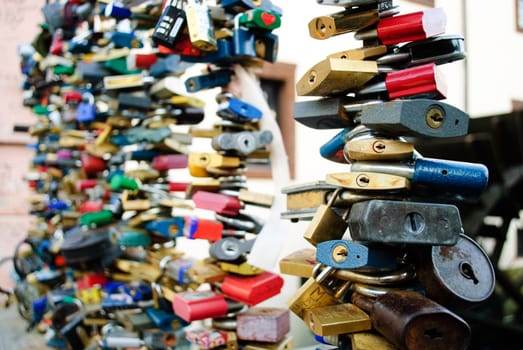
(368, 181)
(408, 27)
(167, 87)
(457, 276)
(199, 305)
(230, 248)
(158, 339)
(202, 164)
(348, 20)
(370, 340)
(326, 224)
(200, 26)
(99, 218)
(169, 227)
(402, 222)
(178, 269)
(210, 80)
(125, 39)
(217, 202)
(199, 228)
(259, 19)
(134, 101)
(333, 76)
(299, 263)
(243, 143)
(423, 81)
(255, 198)
(252, 290)
(205, 271)
(165, 162)
(419, 117)
(440, 49)
(377, 148)
(242, 269)
(343, 254)
(264, 324)
(209, 338)
(361, 53)
(236, 110)
(437, 176)
(170, 25)
(337, 319)
(411, 321)
(164, 320)
(360, 137)
(309, 295)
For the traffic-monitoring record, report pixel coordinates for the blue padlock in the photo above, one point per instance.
(211, 80)
(435, 175)
(169, 228)
(343, 254)
(123, 39)
(244, 42)
(236, 110)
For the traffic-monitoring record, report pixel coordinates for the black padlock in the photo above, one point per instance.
(170, 25)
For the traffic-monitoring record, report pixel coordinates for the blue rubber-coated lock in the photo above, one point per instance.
(237, 110)
(343, 254)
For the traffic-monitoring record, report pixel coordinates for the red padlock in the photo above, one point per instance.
(92, 165)
(199, 305)
(84, 184)
(90, 206)
(252, 290)
(411, 26)
(178, 186)
(217, 202)
(166, 162)
(196, 228)
(424, 79)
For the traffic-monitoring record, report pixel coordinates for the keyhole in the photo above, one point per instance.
(378, 146)
(230, 248)
(414, 223)
(433, 333)
(435, 117)
(466, 270)
(312, 77)
(340, 253)
(363, 180)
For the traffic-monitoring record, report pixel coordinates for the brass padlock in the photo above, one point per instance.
(361, 53)
(200, 163)
(370, 340)
(326, 224)
(337, 319)
(336, 76)
(348, 20)
(299, 263)
(206, 271)
(310, 294)
(367, 181)
(255, 198)
(377, 149)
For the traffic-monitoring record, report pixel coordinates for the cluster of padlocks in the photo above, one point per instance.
(117, 183)
(391, 266)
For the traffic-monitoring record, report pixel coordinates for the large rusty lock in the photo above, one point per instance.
(456, 276)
